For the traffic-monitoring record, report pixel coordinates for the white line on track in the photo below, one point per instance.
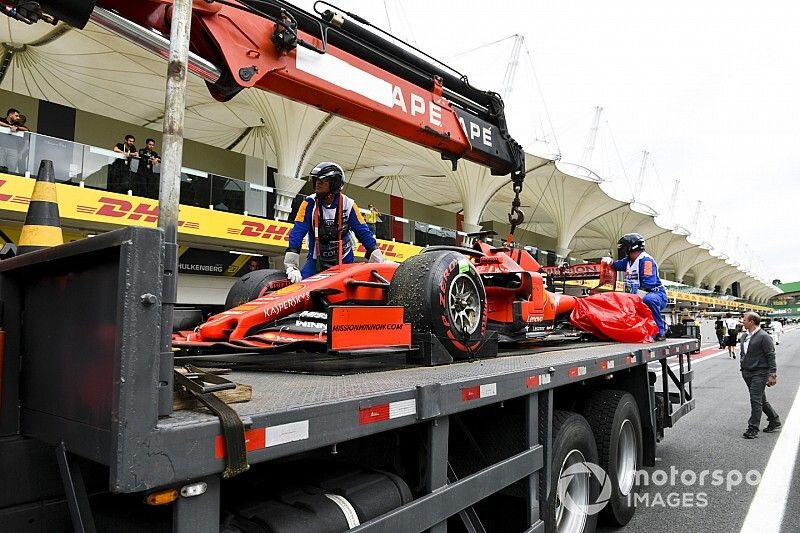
(766, 510)
(674, 366)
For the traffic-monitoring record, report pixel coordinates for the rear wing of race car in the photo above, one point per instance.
(604, 273)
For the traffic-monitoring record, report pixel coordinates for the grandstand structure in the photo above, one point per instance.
(83, 90)
(787, 304)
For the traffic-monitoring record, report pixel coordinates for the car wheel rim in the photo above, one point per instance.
(626, 458)
(464, 305)
(572, 518)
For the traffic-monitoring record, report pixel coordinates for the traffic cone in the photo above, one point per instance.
(42, 227)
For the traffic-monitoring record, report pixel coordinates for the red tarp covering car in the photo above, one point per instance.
(615, 316)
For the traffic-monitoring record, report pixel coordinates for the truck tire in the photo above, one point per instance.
(442, 294)
(254, 284)
(574, 453)
(614, 418)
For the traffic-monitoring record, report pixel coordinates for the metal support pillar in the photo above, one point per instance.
(198, 514)
(665, 370)
(532, 483)
(436, 469)
(689, 369)
(170, 186)
(77, 499)
(546, 440)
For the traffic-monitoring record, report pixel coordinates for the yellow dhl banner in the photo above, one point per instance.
(687, 297)
(111, 209)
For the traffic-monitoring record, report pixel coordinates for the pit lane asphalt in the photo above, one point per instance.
(710, 438)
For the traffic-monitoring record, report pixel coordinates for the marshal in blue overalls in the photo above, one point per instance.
(641, 276)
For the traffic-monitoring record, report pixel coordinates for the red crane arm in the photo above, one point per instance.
(334, 62)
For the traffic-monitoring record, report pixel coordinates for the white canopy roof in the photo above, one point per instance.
(98, 72)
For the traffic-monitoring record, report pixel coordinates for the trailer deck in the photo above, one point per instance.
(293, 412)
(512, 374)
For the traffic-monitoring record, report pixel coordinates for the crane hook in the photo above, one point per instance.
(515, 217)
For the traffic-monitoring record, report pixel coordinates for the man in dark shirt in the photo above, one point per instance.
(12, 119)
(14, 150)
(759, 371)
(119, 174)
(148, 179)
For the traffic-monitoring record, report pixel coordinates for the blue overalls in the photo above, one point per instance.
(326, 233)
(642, 275)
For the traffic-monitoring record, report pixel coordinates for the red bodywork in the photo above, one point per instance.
(516, 303)
(248, 325)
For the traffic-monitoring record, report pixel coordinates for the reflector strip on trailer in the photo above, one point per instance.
(539, 379)
(387, 411)
(260, 438)
(607, 365)
(287, 433)
(478, 391)
(630, 359)
(577, 371)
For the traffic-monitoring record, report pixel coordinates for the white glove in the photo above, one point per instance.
(607, 260)
(291, 261)
(377, 257)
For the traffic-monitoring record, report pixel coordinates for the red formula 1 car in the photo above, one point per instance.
(456, 297)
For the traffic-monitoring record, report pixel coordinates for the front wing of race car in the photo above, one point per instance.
(310, 315)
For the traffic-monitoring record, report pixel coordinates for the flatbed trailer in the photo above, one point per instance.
(81, 389)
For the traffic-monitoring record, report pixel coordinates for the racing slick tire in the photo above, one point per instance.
(443, 295)
(614, 418)
(571, 506)
(255, 284)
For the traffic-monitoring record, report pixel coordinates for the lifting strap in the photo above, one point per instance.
(202, 385)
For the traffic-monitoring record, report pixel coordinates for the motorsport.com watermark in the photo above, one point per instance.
(686, 487)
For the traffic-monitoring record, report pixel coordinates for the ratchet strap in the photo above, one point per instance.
(201, 385)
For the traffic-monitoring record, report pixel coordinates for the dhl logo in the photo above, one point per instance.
(280, 232)
(251, 228)
(117, 208)
(387, 249)
(24, 200)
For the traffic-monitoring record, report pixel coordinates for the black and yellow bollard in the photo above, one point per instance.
(42, 227)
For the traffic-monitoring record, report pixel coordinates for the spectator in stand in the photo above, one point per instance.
(731, 325)
(119, 174)
(13, 149)
(719, 329)
(12, 120)
(21, 123)
(372, 217)
(24, 146)
(147, 178)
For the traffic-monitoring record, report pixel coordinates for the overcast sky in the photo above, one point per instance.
(711, 89)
